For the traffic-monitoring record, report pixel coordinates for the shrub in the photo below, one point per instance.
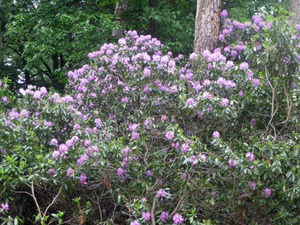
(144, 136)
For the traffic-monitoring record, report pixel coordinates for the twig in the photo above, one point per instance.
(153, 209)
(100, 210)
(289, 106)
(232, 198)
(179, 202)
(54, 200)
(145, 160)
(37, 204)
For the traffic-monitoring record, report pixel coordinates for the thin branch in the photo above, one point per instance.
(54, 200)
(153, 210)
(37, 204)
(179, 202)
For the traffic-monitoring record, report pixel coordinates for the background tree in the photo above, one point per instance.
(46, 39)
(172, 22)
(120, 8)
(207, 25)
(295, 8)
(243, 10)
(41, 41)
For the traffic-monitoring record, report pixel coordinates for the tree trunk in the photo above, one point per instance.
(207, 25)
(152, 22)
(295, 8)
(120, 7)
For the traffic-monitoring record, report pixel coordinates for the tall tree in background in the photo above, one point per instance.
(170, 21)
(295, 8)
(40, 41)
(243, 10)
(152, 23)
(207, 25)
(120, 8)
(46, 39)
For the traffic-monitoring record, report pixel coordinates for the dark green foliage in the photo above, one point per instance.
(46, 39)
(243, 10)
(41, 40)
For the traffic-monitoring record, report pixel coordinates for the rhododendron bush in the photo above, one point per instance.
(145, 137)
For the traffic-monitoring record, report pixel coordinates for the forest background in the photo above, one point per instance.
(113, 114)
(40, 41)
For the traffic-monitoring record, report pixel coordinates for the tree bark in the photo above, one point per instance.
(295, 8)
(120, 7)
(207, 25)
(152, 22)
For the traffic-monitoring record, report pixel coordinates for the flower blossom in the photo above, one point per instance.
(244, 65)
(250, 156)
(173, 89)
(233, 53)
(193, 56)
(178, 219)
(70, 171)
(53, 141)
(170, 135)
(171, 64)
(202, 157)
(122, 41)
(216, 134)
(55, 154)
(224, 102)
(232, 163)
(161, 193)
(255, 81)
(51, 171)
(224, 13)
(184, 147)
(135, 222)
(48, 123)
(147, 71)
(146, 215)
(83, 179)
(164, 216)
(229, 64)
(121, 171)
(4, 98)
(149, 173)
(43, 90)
(63, 148)
(192, 159)
(190, 101)
(135, 135)
(124, 99)
(251, 185)
(134, 126)
(5, 206)
(98, 122)
(268, 192)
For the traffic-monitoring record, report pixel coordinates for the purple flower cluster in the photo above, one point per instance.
(4, 206)
(178, 219)
(135, 222)
(224, 13)
(161, 193)
(146, 216)
(250, 156)
(170, 135)
(164, 216)
(215, 134)
(232, 163)
(268, 192)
